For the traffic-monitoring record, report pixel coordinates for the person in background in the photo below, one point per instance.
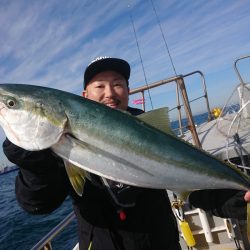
(110, 215)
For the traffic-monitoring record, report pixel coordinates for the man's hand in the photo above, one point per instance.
(247, 196)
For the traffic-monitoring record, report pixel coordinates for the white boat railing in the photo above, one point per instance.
(236, 68)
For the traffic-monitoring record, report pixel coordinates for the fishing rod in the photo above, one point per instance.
(163, 37)
(165, 43)
(139, 51)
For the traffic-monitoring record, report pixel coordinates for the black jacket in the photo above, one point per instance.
(42, 185)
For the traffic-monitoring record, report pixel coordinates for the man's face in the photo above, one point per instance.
(109, 88)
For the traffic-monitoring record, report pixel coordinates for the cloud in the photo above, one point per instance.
(50, 43)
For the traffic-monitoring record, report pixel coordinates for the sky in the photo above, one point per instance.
(50, 43)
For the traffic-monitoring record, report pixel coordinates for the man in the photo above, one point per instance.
(110, 215)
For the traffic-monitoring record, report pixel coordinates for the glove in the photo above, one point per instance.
(36, 161)
(225, 203)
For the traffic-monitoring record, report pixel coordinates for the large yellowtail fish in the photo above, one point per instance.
(109, 142)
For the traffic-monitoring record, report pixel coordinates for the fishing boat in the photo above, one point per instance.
(6, 169)
(225, 135)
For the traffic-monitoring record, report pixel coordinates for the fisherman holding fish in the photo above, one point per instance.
(110, 215)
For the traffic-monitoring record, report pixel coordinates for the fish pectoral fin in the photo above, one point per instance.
(101, 162)
(158, 118)
(76, 176)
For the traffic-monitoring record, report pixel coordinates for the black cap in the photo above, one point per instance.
(101, 64)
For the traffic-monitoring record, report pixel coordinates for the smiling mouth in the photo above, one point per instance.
(113, 103)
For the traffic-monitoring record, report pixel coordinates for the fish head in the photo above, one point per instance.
(30, 118)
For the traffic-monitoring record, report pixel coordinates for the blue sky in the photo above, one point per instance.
(51, 42)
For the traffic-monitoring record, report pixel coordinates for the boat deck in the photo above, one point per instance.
(214, 138)
(226, 246)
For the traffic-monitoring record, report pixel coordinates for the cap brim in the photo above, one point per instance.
(106, 64)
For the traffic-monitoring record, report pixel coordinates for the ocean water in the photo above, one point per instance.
(198, 119)
(20, 230)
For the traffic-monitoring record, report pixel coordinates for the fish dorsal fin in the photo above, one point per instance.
(76, 176)
(158, 118)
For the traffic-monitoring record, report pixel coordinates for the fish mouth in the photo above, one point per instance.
(10, 133)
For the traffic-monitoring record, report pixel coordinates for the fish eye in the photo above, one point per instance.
(11, 103)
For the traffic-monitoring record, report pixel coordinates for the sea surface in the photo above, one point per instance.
(20, 230)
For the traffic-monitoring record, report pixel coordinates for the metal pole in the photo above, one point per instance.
(56, 230)
(191, 124)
